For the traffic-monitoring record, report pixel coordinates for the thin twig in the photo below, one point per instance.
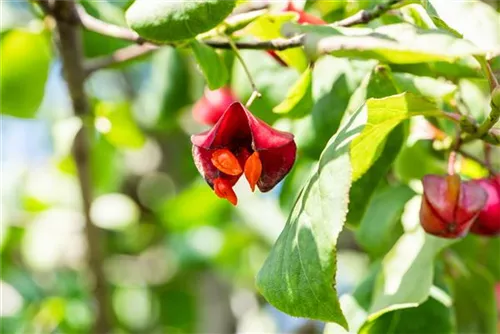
(366, 15)
(255, 91)
(71, 51)
(108, 29)
(119, 56)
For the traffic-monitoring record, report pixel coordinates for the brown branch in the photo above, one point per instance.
(71, 53)
(366, 15)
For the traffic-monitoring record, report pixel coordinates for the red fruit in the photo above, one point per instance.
(488, 221)
(239, 143)
(449, 206)
(212, 105)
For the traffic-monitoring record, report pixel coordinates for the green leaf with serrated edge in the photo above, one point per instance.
(396, 43)
(268, 26)
(211, 65)
(24, 70)
(114, 120)
(298, 277)
(384, 115)
(431, 88)
(299, 101)
(482, 25)
(379, 228)
(474, 300)
(407, 272)
(438, 319)
(379, 83)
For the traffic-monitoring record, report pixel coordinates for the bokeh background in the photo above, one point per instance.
(176, 258)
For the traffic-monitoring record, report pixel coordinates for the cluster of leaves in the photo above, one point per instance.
(358, 100)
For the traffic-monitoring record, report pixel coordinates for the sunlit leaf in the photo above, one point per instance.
(482, 23)
(384, 115)
(396, 43)
(425, 86)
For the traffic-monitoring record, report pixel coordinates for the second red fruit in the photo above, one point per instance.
(488, 221)
(212, 105)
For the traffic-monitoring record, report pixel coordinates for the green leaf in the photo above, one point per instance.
(407, 272)
(211, 64)
(482, 23)
(428, 87)
(298, 277)
(379, 227)
(474, 299)
(268, 26)
(299, 100)
(396, 43)
(378, 83)
(171, 21)
(24, 70)
(431, 317)
(475, 94)
(114, 120)
(384, 115)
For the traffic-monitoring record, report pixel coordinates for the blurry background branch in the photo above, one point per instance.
(69, 41)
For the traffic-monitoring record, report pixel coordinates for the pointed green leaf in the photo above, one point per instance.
(298, 277)
(211, 64)
(23, 73)
(299, 101)
(384, 115)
